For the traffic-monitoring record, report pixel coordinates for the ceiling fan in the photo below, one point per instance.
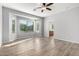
(44, 6)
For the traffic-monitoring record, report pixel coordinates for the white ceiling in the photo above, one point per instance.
(28, 8)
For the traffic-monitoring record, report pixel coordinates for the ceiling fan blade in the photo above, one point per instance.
(42, 10)
(44, 4)
(48, 9)
(37, 8)
(49, 4)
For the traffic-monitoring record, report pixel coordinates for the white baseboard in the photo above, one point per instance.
(69, 41)
(0, 44)
(14, 43)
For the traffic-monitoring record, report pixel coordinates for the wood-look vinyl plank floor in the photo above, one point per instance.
(41, 47)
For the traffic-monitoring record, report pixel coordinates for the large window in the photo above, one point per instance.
(26, 25)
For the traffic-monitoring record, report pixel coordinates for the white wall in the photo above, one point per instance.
(0, 24)
(5, 12)
(66, 25)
